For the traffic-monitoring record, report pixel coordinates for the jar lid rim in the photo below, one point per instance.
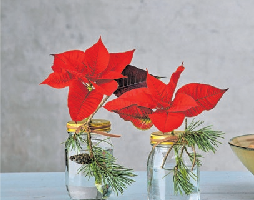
(96, 124)
(157, 136)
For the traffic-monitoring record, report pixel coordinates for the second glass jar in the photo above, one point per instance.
(160, 172)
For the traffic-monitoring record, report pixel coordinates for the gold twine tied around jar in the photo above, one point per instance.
(97, 126)
(166, 138)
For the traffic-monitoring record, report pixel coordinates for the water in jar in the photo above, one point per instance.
(79, 186)
(160, 184)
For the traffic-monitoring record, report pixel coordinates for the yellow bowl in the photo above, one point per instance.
(243, 147)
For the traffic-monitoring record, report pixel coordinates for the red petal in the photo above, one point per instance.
(166, 121)
(111, 75)
(97, 58)
(141, 97)
(206, 96)
(117, 63)
(136, 111)
(81, 77)
(135, 96)
(117, 104)
(138, 115)
(105, 86)
(58, 80)
(70, 61)
(140, 123)
(170, 88)
(156, 88)
(182, 102)
(81, 102)
(57, 68)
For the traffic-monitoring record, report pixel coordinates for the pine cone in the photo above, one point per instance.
(83, 158)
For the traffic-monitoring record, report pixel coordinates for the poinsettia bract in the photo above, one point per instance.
(165, 112)
(81, 101)
(138, 115)
(134, 78)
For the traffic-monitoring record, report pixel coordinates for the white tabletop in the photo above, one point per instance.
(223, 185)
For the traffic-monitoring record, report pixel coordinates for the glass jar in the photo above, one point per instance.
(160, 184)
(78, 185)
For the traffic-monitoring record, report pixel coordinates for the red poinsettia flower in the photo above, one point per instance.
(89, 75)
(135, 106)
(155, 104)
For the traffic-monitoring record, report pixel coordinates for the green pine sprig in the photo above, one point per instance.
(206, 139)
(182, 175)
(103, 167)
(106, 171)
(73, 142)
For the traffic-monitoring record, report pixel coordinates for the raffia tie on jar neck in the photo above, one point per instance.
(97, 126)
(169, 138)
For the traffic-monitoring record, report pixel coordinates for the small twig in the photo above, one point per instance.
(187, 152)
(87, 129)
(182, 151)
(165, 158)
(186, 125)
(86, 124)
(194, 158)
(99, 106)
(90, 144)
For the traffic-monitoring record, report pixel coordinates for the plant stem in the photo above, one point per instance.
(87, 129)
(187, 151)
(182, 151)
(194, 157)
(165, 158)
(99, 106)
(90, 145)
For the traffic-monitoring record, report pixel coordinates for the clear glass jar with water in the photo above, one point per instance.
(79, 186)
(160, 184)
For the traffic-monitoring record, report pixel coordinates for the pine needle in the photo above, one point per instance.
(103, 167)
(206, 139)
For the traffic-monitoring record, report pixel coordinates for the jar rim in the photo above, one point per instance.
(95, 124)
(171, 137)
